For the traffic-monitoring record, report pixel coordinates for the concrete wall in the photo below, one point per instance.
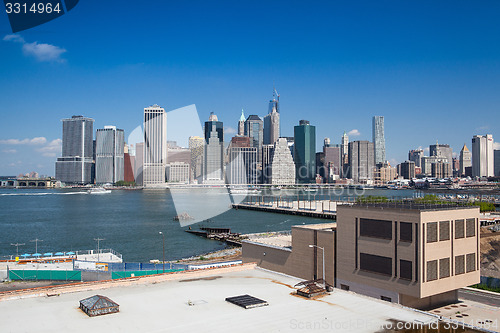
(272, 258)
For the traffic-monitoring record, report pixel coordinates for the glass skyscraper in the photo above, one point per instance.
(76, 164)
(109, 163)
(378, 139)
(305, 152)
(254, 128)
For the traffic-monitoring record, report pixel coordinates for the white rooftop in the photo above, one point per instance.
(163, 306)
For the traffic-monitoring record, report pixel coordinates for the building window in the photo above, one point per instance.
(432, 232)
(385, 298)
(375, 228)
(470, 262)
(405, 269)
(375, 264)
(459, 265)
(444, 230)
(344, 287)
(444, 268)
(459, 229)
(470, 228)
(405, 232)
(432, 273)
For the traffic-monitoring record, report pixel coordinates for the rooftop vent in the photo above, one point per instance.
(247, 301)
(98, 305)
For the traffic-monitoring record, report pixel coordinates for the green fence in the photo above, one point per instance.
(126, 274)
(47, 275)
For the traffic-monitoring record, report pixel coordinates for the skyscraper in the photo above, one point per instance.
(305, 152)
(155, 146)
(416, 156)
(465, 160)
(331, 161)
(441, 150)
(272, 121)
(378, 139)
(344, 155)
(241, 168)
(496, 155)
(75, 165)
(361, 160)
(241, 124)
(267, 157)
(482, 156)
(254, 128)
(109, 163)
(282, 165)
(219, 128)
(214, 152)
(197, 147)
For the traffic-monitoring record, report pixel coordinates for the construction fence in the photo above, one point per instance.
(44, 275)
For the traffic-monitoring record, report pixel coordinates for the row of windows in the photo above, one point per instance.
(441, 230)
(383, 229)
(441, 268)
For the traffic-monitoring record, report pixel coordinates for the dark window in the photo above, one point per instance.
(385, 298)
(444, 268)
(459, 265)
(432, 273)
(375, 264)
(405, 232)
(344, 287)
(375, 228)
(470, 265)
(405, 269)
(444, 230)
(470, 228)
(459, 229)
(432, 232)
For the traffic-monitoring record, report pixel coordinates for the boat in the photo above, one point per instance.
(98, 190)
(243, 191)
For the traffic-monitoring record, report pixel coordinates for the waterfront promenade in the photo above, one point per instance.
(324, 209)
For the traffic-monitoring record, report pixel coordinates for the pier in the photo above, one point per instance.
(322, 209)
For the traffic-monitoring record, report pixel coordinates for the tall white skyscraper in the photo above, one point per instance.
(109, 163)
(282, 165)
(465, 160)
(214, 158)
(75, 165)
(483, 156)
(155, 146)
(378, 139)
(272, 121)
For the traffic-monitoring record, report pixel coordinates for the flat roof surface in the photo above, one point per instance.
(319, 226)
(409, 205)
(277, 240)
(164, 306)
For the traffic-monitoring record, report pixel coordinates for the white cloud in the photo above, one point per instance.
(35, 141)
(496, 145)
(51, 149)
(9, 151)
(40, 51)
(14, 38)
(229, 130)
(354, 132)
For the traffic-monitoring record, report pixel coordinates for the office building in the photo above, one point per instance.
(254, 129)
(407, 170)
(282, 165)
(242, 166)
(267, 158)
(441, 170)
(241, 124)
(483, 161)
(128, 161)
(416, 156)
(361, 161)
(177, 172)
(214, 153)
(197, 148)
(109, 163)
(378, 139)
(305, 152)
(139, 163)
(418, 256)
(384, 173)
(328, 162)
(76, 163)
(344, 155)
(428, 161)
(272, 121)
(440, 150)
(465, 160)
(496, 154)
(219, 128)
(155, 146)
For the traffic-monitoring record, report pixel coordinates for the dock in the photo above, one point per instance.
(219, 234)
(321, 209)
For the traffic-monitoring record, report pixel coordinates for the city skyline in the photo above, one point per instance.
(420, 65)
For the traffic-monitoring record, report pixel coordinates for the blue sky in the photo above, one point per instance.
(431, 68)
